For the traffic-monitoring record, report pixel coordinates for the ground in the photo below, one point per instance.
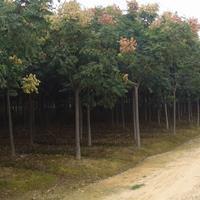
(50, 172)
(174, 175)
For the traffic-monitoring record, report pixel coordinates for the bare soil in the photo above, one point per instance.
(174, 175)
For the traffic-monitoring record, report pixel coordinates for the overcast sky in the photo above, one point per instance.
(187, 8)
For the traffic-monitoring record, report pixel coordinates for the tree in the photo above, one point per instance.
(30, 86)
(10, 64)
(174, 37)
(69, 37)
(18, 22)
(84, 58)
(135, 24)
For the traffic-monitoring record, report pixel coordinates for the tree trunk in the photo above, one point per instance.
(159, 120)
(189, 111)
(89, 127)
(77, 125)
(150, 114)
(12, 144)
(174, 112)
(146, 110)
(81, 121)
(184, 109)
(31, 120)
(137, 117)
(112, 117)
(5, 109)
(117, 115)
(134, 116)
(166, 116)
(179, 111)
(198, 112)
(123, 114)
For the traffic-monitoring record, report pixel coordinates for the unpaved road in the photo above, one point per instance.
(170, 176)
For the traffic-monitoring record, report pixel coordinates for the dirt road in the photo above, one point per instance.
(170, 176)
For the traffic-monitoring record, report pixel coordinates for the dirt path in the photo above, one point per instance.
(170, 176)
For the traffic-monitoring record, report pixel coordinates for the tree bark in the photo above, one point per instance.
(185, 109)
(116, 115)
(146, 110)
(81, 121)
(123, 114)
(166, 116)
(89, 127)
(112, 117)
(5, 110)
(31, 115)
(137, 117)
(189, 111)
(174, 112)
(198, 112)
(159, 117)
(150, 114)
(12, 144)
(77, 124)
(134, 116)
(179, 111)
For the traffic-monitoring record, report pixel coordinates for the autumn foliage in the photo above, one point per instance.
(127, 45)
(105, 19)
(194, 25)
(30, 84)
(132, 5)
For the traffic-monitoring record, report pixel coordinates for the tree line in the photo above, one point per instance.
(71, 58)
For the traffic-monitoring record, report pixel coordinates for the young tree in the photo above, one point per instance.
(30, 86)
(69, 36)
(173, 36)
(83, 54)
(11, 67)
(18, 22)
(135, 24)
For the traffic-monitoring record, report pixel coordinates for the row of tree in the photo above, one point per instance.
(98, 57)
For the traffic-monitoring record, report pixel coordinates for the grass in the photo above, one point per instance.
(138, 186)
(46, 167)
(22, 180)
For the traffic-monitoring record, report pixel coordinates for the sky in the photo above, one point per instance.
(185, 8)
